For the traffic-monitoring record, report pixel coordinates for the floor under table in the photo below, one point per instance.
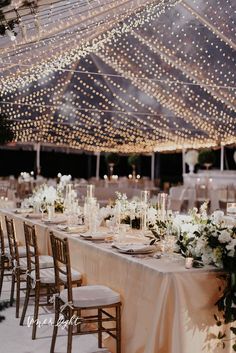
(17, 339)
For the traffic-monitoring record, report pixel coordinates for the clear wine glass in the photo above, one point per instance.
(43, 209)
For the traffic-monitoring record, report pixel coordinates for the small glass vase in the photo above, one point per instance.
(51, 212)
(144, 208)
(162, 201)
(90, 191)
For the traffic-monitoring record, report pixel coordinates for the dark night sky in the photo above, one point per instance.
(168, 166)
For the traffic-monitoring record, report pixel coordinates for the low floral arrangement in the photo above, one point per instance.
(25, 177)
(64, 179)
(45, 196)
(130, 212)
(211, 241)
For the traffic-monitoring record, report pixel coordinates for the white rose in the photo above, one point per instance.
(224, 237)
(231, 247)
(152, 215)
(189, 229)
(217, 216)
(207, 256)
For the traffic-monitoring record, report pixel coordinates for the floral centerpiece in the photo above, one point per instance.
(63, 179)
(210, 240)
(129, 211)
(191, 158)
(45, 196)
(25, 177)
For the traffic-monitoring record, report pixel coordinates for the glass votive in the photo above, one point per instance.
(145, 195)
(188, 262)
(51, 212)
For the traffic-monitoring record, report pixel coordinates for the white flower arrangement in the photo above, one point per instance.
(191, 157)
(128, 211)
(25, 177)
(44, 195)
(63, 180)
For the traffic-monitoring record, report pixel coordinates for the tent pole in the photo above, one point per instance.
(183, 161)
(153, 166)
(97, 165)
(37, 147)
(222, 152)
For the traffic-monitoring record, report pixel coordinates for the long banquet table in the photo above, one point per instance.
(165, 308)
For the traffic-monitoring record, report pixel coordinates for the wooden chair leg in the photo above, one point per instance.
(69, 335)
(36, 311)
(1, 277)
(55, 327)
(78, 328)
(17, 294)
(118, 329)
(13, 278)
(99, 328)
(26, 302)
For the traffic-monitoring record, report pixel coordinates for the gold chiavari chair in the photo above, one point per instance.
(75, 303)
(40, 276)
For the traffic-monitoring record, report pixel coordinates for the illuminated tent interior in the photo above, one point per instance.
(126, 76)
(143, 229)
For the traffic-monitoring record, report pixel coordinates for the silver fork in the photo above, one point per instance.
(146, 257)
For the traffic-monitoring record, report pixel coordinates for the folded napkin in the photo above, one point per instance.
(72, 229)
(96, 236)
(23, 210)
(34, 215)
(134, 248)
(54, 221)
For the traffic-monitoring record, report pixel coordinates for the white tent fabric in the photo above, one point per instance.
(126, 76)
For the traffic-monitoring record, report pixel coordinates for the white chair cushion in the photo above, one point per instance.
(23, 263)
(91, 296)
(45, 261)
(22, 251)
(47, 275)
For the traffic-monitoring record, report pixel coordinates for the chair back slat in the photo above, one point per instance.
(31, 249)
(61, 257)
(13, 246)
(2, 244)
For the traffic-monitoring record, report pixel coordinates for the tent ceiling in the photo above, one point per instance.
(127, 76)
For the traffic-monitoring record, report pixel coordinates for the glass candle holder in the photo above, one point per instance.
(51, 212)
(145, 195)
(162, 201)
(90, 191)
(188, 262)
(93, 216)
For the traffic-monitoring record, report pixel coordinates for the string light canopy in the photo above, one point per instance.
(121, 76)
